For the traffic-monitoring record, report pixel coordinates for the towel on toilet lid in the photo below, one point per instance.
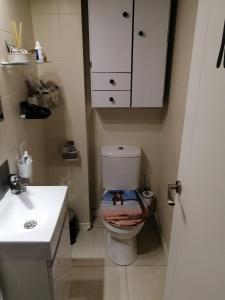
(123, 208)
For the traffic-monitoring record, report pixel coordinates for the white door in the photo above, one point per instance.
(110, 23)
(151, 18)
(196, 268)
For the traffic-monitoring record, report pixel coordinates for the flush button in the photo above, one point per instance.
(120, 148)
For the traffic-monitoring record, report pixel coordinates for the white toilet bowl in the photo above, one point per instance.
(122, 244)
(121, 166)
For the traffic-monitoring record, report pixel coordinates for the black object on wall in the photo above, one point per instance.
(73, 225)
(32, 111)
(222, 50)
(1, 112)
(4, 175)
(171, 42)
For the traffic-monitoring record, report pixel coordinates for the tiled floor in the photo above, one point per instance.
(93, 276)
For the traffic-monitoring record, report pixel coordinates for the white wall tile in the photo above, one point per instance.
(62, 50)
(4, 36)
(35, 26)
(70, 50)
(69, 7)
(70, 76)
(70, 26)
(47, 26)
(4, 16)
(13, 89)
(44, 6)
(61, 37)
(51, 48)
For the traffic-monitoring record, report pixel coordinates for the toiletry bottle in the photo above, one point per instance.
(39, 52)
(27, 159)
(25, 166)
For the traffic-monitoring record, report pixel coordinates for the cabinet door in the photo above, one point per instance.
(110, 24)
(151, 21)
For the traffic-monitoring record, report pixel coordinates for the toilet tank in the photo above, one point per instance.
(121, 166)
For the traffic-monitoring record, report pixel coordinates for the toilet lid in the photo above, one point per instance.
(123, 208)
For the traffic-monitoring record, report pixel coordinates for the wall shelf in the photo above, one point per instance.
(6, 63)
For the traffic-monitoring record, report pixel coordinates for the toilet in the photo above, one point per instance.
(122, 209)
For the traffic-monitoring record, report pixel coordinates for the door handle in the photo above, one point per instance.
(178, 189)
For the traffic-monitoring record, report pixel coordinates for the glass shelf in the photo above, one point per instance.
(6, 63)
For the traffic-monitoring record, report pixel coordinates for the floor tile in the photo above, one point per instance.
(151, 251)
(96, 283)
(91, 248)
(146, 282)
(97, 223)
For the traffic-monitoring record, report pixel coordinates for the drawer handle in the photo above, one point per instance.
(111, 99)
(112, 81)
(125, 14)
(141, 33)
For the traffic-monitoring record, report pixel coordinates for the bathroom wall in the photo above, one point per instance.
(157, 131)
(57, 25)
(171, 133)
(13, 130)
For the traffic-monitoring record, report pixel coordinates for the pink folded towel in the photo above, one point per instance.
(125, 223)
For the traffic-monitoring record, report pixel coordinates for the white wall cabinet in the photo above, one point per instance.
(128, 49)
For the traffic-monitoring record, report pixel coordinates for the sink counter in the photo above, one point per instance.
(30, 222)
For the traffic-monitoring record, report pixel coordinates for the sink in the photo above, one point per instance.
(30, 222)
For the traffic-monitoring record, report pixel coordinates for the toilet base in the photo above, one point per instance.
(123, 252)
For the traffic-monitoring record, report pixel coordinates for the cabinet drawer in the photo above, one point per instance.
(110, 99)
(111, 81)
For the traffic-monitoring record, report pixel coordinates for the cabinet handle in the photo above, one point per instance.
(141, 33)
(112, 81)
(111, 99)
(125, 14)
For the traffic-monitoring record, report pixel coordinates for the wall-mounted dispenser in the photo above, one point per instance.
(70, 152)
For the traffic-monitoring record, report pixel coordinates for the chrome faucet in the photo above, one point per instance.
(16, 184)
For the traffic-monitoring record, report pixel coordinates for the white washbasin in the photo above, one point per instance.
(45, 205)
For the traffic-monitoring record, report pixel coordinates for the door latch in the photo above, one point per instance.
(171, 196)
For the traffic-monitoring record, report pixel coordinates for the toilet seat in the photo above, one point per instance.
(123, 208)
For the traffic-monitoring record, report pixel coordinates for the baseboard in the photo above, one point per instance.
(85, 226)
(161, 233)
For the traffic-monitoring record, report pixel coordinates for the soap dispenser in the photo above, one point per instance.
(25, 165)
